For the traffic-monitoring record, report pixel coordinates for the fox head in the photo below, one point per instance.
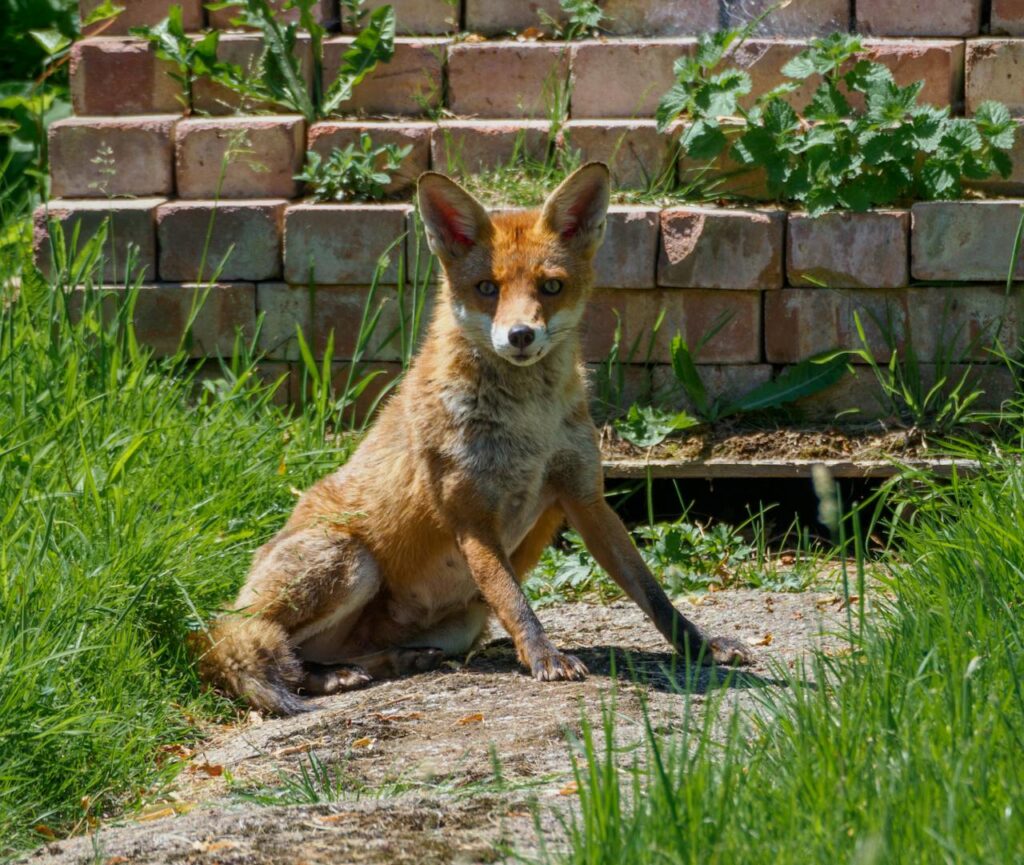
(518, 282)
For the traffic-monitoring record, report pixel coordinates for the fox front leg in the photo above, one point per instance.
(497, 581)
(610, 544)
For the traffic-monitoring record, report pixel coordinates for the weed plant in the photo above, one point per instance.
(353, 173)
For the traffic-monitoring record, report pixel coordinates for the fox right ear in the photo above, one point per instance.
(454, 219)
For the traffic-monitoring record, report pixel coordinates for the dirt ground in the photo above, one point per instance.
(736, 443)
(419, 754)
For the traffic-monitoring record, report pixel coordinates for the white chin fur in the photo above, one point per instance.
(519, 359)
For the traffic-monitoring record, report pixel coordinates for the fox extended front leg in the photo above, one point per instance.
(610, 544)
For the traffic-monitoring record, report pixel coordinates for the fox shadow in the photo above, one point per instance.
(663, 671)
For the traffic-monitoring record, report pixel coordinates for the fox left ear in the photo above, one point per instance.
(455, 221)
(576, 211)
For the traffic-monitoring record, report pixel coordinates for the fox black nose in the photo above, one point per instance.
(521, 335)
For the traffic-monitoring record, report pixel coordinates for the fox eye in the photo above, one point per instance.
(487, 288)
(551, 286)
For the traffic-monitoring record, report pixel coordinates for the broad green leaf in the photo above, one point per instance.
(105, 10)
(801, 66)
(671, 106)
(992, 113)
(686, 373)
(828, 104)
(376, 43)
(938, 178)
(1002, 162)
(50, 40)
(646, 426)
(703, 139)
(995, 123)
(960, 136)
(804, 379)
(868, 77)
(779, 117)
(718, 97)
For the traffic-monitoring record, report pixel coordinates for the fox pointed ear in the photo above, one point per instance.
(576, 210)
(454, 219)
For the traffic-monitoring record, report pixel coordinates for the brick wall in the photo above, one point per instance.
(790, 285)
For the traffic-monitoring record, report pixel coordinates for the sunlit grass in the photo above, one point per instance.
(906, 750)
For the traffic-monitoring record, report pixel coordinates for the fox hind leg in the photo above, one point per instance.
(303, 587)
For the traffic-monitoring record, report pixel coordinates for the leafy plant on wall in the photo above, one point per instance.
(833, 154)
(280, 78)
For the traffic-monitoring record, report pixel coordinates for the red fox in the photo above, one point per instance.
(398, 559)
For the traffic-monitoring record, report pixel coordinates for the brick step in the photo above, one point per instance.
(689, 247)
(507, 79)
(804, 18)
(164, 154)
(162, 311)
(957, 18)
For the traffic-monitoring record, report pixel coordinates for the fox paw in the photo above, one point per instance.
(418, 660)
(552, 665)
(728, 652)
(333, 680)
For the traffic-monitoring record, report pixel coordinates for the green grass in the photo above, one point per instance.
(131, 499)
(908, 750)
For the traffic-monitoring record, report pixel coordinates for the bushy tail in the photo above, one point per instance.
(251, 658)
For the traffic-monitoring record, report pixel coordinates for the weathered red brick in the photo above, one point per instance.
(658, 18)
(995, 70)
(140, 13)
(849, 250)
(340, 244)
(1008, 17)
(623, 78)
(695, 314)
(964, 241)
(692, 312)
(245, 50)
(223, 19)
(321, 310)
(130, 248)
(162, 311)
(798, 18)
(109, 156)
(420, 17)
(859, 396)
(637, 154)
(469, 146)
(934, 322)
(410, 84)
(507, 79)
(711, 247)
(328, 136)
(964, 322)
(802, 322)
(114, 76)
(239, 157)
(244, 240)
(629, 253)
(919, 17)
(499, 17)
